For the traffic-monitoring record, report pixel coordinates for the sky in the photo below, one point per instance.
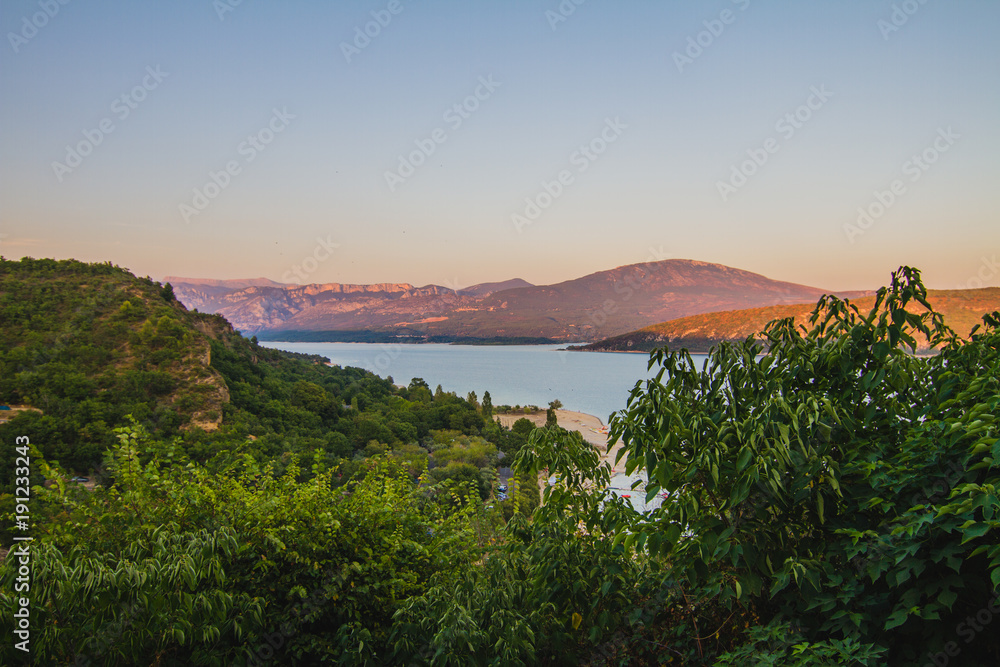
(458, 142)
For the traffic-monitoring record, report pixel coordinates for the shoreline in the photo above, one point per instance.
(586, 425)
(507, 343)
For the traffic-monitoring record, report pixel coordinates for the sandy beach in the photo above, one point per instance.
(587, 425)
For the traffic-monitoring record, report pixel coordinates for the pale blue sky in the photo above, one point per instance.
(653, 193)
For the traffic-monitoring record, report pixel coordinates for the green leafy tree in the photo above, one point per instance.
(487, 406)
(839, 481)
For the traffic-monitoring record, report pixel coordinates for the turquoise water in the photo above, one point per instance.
(597, 383)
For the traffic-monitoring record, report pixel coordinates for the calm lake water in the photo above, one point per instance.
(597, 383)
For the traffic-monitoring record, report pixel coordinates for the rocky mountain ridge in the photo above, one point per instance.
(589, 308)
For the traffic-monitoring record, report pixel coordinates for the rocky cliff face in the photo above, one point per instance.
(337, 288)
(308, 307)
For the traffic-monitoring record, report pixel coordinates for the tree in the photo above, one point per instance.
(310, 396)
(487, 406)
(840, 480)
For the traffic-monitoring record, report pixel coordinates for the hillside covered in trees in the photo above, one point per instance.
(84, 346)
(831, 502)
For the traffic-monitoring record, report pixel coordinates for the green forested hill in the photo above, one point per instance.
(86, 345)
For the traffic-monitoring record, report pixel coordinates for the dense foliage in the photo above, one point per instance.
(177, 565)
(839, 483)
(831, 502)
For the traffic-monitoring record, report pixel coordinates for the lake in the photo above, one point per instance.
(596, 383)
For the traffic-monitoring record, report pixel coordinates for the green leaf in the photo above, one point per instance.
(744, 459)
(947, 597)
(896, 619)
(974, 531)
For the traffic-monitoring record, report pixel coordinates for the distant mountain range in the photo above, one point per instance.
(225, 284)
(961, 309)
(596, 306)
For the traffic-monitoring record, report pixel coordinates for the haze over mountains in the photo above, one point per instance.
(596, 306)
